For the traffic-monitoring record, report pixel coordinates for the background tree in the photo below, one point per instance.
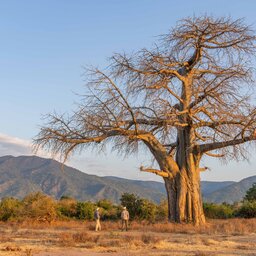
(132, 202)
(251, 194)
(85, 210)
(148, 210)
(186, 98)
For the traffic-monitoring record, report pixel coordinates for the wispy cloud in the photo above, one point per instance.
(14, 146)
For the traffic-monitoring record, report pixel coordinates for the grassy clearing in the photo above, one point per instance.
(225, 237)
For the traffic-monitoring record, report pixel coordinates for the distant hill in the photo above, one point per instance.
(209, 187)
(22, 175)
(25, 174)
(234, 192)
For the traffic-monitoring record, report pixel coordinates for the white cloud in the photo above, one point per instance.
(15, 146)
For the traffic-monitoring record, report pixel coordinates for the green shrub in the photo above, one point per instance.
(85, 210)
(67, 207)
(105, 204)
(216, 211)
(162, 211)
(113, 213)
(143, 209)
(147, 210)
(9, 209)
(247, 210)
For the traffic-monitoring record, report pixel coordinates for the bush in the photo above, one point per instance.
(162, 211)
(215, 211)
(85, 210)
(39, 206)
(247, 210)
(105, 204)
(143, 209)
(67, 207)
(147, 210)
(9, 209)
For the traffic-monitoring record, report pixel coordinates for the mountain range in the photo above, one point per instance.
(22, 175)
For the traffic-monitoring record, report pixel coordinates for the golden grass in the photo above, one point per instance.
(229, 235)
(225, 227)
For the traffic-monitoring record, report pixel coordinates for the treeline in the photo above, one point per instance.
(40, 207)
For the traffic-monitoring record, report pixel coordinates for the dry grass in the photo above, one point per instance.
(149, 239)
(69, 239)
(235, 236)
(227, 227)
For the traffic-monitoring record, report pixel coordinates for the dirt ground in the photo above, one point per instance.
(79, 240)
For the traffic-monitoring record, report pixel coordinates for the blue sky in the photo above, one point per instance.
(45, 44)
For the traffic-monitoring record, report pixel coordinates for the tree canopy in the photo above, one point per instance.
(186, 97)
(141, 96)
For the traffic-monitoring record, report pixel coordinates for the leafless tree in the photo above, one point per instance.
(187, 97)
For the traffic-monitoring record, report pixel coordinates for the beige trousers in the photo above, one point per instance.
(98, 226)
(125, 225)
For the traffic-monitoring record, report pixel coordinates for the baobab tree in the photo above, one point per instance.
(187, 97)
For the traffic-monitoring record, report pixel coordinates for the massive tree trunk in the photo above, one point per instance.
(184, 197)
(183, 189)
(182, 179)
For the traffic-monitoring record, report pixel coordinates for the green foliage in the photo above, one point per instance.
(216, 211)
(143, 209)
(42, 207)
(147, 210)
(251, 194)
(247, 210)
(85, 210)
(67, 207)
(109, 211)
(162, 211)
(113, 213)
(132, 202)
(9, 209)
(105, 204)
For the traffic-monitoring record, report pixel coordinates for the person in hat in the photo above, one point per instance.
(125, 218)
(97, 219)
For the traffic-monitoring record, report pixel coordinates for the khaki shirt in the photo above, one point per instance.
(125, 215)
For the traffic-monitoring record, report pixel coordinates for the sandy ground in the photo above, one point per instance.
(56, 241)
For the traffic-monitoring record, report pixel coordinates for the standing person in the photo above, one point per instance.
(97, 219)
(125, 218)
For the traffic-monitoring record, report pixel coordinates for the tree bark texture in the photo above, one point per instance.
(183, 188)
(184, 198)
